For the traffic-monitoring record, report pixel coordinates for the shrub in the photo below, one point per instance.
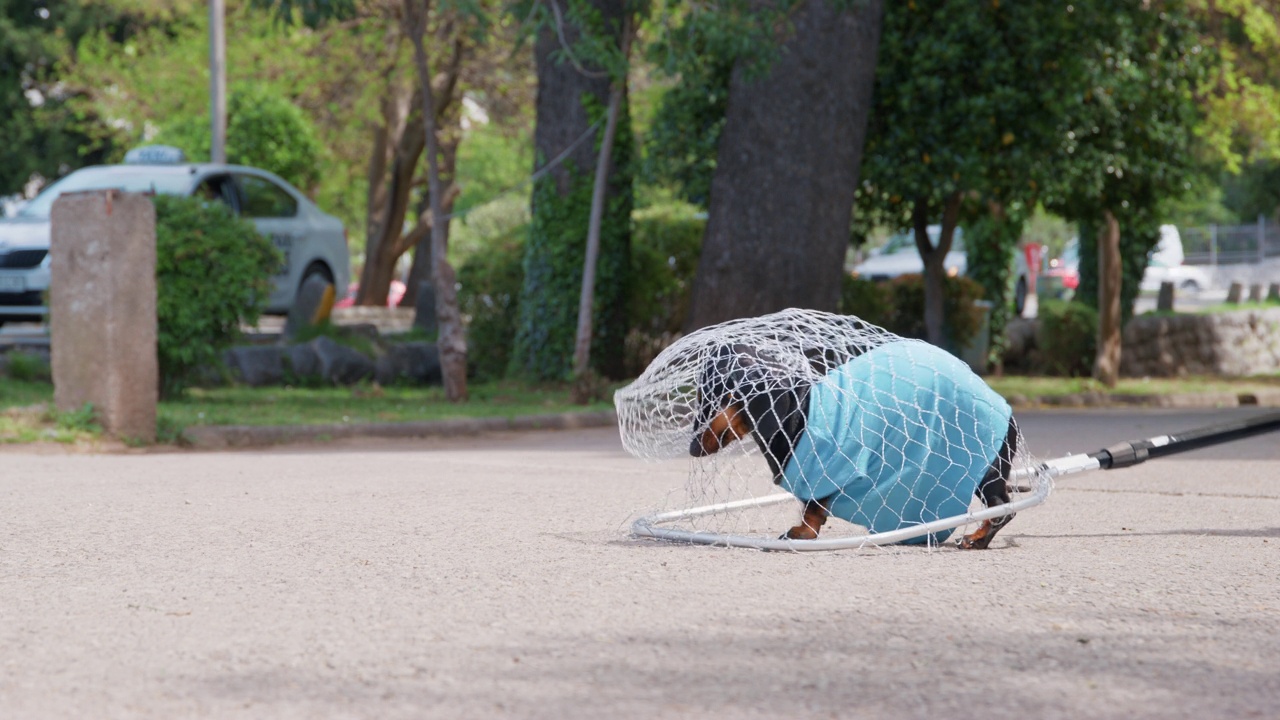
(1067, 338)
(665, 245)
(25, 367)
(963, 317)
(263, 130)
(489, 298)
(867, 299)
(213, 273)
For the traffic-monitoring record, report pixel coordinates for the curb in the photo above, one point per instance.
(217, 437)
(1220, 399)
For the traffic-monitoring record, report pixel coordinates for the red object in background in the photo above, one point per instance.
(1033, 252)
(1070, 280)
(394, 296)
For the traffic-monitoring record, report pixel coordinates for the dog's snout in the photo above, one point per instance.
(696, 449)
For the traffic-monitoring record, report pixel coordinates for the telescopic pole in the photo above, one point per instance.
(1132, 453)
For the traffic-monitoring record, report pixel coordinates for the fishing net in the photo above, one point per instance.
(799, 416)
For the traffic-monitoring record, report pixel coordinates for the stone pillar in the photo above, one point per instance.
(1255, 293)
(1235, 294)
(1164, 303)
(1273, 292)
(102, 309)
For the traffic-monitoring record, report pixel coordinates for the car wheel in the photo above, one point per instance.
(316, 268)
(1190, 286)
(1020, 296)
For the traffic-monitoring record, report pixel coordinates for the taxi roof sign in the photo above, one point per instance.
(155, 155)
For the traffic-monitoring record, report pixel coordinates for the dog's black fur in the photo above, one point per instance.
(737, 378)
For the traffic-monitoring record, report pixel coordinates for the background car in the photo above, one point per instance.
(1167, 263)
(900, 256)
(1060, 276)
(312, 241)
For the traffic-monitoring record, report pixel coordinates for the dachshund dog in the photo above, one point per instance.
(742, 392)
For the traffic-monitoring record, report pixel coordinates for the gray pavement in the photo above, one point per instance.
(492, 577)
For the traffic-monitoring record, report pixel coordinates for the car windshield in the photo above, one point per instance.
(152, 180)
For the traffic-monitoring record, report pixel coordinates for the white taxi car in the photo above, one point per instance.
(313, 242)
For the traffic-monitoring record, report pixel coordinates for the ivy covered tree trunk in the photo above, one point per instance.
(990, 244)
(569, 102)
(787, 169)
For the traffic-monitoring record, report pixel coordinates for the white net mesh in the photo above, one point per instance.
(800, 416)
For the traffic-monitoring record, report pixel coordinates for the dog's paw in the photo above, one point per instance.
(973, 542)
(800, 532)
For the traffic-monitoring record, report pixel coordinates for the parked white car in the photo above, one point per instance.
(1166, 264)
(312, 241)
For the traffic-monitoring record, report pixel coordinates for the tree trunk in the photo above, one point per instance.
(1106, 366)
(451, 342)
(582, 346)
(381, 246)
(934, 257)
(787, 169)
(556, 248)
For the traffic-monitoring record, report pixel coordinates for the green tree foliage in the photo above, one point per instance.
(43, 131)
(200, 312)
(1129, 138)
(264, 130)
(145, 82)
(1067, 338)
(968, 103)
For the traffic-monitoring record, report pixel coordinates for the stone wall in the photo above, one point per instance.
(1243, 342)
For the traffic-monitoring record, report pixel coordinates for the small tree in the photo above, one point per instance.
(1127, 143)
(968, 102)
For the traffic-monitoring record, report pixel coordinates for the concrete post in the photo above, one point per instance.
(102, 309)
(1236, 293)
(1164, 303)
(1273, 292)
(1255, 293)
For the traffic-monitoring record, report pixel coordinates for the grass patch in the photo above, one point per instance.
(27, 415)
(362, 404)
(1228, 307)
(1033, 387)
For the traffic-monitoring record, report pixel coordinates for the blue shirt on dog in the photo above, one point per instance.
(900, 435)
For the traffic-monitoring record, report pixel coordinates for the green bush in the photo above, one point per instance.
(963, 317)
(489, 298)
(213, 273)
(666, 242)
(264, 130)
(25, 367)
(866, 299)
(1067, 338)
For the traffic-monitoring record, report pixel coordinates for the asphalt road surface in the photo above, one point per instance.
(493, 577)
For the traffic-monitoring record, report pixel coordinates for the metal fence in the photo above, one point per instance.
(1231, 244)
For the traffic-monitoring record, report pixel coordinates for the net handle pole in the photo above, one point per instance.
(1132, 453)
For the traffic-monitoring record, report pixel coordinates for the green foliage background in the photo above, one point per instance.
(213, 273)
(264, 130)
(1067, 338)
